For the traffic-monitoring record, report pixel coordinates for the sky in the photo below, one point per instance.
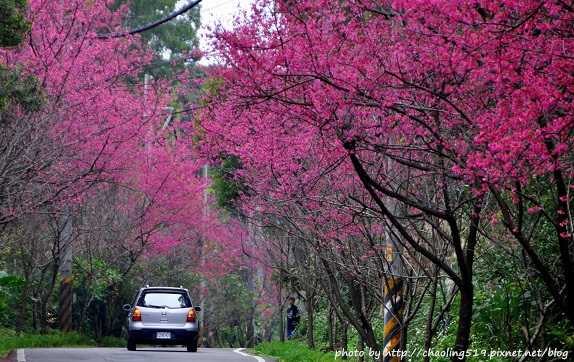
(213, 10)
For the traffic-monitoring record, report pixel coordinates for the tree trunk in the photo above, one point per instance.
(344, 338)
(250, 338)
(24, 300)
(281, 320)
(45, 299)
(361, 349)
(466, 289)
(35, 314)
(310, 321)
(430, 316)
(330, 328)
(464, 322)
(361, 324)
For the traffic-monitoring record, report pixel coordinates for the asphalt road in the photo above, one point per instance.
(151, 354)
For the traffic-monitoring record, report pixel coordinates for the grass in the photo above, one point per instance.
(10, 341)
(294, 351)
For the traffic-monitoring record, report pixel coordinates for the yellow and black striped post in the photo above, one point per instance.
(393, 299)
(66, 304)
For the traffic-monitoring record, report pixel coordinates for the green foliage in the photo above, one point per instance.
(13, 87)
(18, 89)
(320, 328)
(176, 36)
(232, 299)
(100, 291)
(95, 274)
(225, 188)
(10, 341)
(560, 335)
(11, 287)
(294, 351)
(13, 26)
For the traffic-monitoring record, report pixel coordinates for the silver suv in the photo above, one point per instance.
(163, 315)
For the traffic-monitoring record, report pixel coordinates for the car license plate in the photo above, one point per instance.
(163, 335)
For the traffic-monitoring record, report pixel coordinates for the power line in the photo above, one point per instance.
(216, 6)
(152, 25)
(203, 9)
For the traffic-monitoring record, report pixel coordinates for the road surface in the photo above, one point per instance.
(151, 354)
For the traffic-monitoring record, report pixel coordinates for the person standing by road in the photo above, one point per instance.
(293, 317)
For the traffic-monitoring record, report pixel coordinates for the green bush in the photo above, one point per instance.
(11, 288)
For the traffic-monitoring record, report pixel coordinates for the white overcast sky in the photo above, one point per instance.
(223, 10)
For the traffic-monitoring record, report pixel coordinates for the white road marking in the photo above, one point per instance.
(20, 355)
(238, 351)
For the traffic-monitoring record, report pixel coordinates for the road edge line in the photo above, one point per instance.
(238, 351)
(20, 355)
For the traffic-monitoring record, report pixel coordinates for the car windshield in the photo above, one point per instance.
(164, 300)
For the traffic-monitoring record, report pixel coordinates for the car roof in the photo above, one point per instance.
(164, 289)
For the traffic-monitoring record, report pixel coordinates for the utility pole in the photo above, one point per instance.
(147, 80)
(65, 254)
(393, 292)
(204, 174)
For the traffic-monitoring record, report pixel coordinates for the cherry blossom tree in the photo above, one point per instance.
(97, 125)
(436, 107)
(89, 118)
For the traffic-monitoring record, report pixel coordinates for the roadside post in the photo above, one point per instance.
(65, 247)
(393, 293)
(393, 300)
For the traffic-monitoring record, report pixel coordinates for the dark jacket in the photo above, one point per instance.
(293, 317)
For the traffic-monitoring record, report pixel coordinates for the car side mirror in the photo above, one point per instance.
(127, 307)
(197, 308)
